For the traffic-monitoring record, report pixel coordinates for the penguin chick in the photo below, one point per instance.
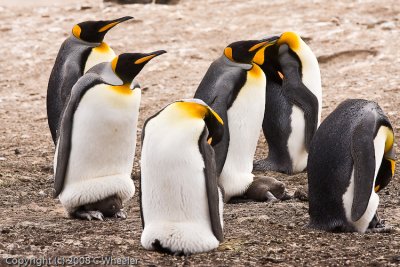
(351, 159)
(78, 53)
(97, 138)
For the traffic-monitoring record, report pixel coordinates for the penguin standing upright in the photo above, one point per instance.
(181, 204)
(97, 138)
(292, 106)
(351, 159)
(234, 86)
(78, 53)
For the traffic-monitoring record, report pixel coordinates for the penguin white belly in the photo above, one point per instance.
(245, 119)
(296, 140)
(102, 53)
(362, 224)
(174, 198)
(102, 147)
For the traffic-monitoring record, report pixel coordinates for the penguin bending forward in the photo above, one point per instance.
(293, 104)
(351, 159)
(234, 86)
(97, 138)
(181, 203)
(78, 53)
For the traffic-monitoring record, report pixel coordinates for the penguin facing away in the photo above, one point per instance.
(293, 104)
(181, 203)
(78, 53)
(351, 159)
(97, 138)
(234, 86)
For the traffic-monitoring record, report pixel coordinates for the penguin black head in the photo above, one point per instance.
(269, 53)
(94, 31)
(127, 66)
(214, 123)
(244, 51)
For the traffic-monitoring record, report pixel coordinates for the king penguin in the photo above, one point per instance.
(351, 159)
(78, 53)
(97, 138)
(234, 86)
(181, 203)
(292, 106)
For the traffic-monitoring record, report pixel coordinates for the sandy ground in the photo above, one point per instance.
(356, 43)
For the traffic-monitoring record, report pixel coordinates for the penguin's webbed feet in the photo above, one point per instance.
(264, 165)
(378, 226)
(89, 215)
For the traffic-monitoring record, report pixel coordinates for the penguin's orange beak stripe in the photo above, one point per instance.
(254, 47)
(377, 188)
(108, 26)
(144, 59)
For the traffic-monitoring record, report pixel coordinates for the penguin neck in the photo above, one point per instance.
(255, 70)
(231, 63)
(82, 42)
(122, 89)
(102, 48)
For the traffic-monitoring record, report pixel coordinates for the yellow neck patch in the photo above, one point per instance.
(292, 39)
(389, 139)
(228, 53)
(259, 56)
(122, 89)
(193, 110)
(114, 63)
(76, 31)
(255, 71)
(108, 26)
(102, 48)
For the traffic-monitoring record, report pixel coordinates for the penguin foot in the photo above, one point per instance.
(120, 214)
(89, 215)
(264, 165)
(382, 229)
(267, 189)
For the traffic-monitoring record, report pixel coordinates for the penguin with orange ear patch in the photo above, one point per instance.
(97, 138)
(81, 51)
(293, 104)
(234, 86)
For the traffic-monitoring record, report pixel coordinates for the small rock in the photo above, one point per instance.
(17, 151)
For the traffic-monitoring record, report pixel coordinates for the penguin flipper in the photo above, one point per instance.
(298, 94)
(65, 128)
(363, 153)
(210, 172)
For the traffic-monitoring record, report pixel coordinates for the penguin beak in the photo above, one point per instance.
(264, 43)
(110, 24)
(149, 56)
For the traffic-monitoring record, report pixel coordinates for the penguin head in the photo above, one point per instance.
(244, 51)
(268, 54)
(291, 39)
(388, 164)
(94, 31)
(197, 108)
(126, 66)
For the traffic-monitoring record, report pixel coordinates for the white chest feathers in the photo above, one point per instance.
(245, 119)
(174, 196)
(99, 54)
(104, 133)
